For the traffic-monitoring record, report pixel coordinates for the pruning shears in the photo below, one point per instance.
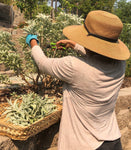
(53, 46)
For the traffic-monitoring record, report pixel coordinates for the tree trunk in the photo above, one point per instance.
(52, 10)
(77, 8)
(51, 3)
(55, 6)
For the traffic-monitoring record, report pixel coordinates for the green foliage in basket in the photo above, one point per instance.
(32, 108)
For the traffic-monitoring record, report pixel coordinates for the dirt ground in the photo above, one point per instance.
(126, 82)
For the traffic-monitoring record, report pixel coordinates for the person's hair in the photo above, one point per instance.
(91, 53)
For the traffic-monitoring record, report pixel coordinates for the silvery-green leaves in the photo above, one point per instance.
(5, 40)
(50, 30)
(69, 19)
(8, 55)
(4, 79)
(11, 58)
(32, 108)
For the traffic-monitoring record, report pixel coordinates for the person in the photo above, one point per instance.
(91, 82)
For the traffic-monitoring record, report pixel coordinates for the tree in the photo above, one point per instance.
(29, 7)
(77, 11)
(6, 1)
(52, 10)
(89, 5)
(122, 9)
(43, 7)
(83, 7)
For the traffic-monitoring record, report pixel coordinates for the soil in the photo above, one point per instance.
(126, 82)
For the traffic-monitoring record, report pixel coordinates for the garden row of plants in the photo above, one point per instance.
(48, 32)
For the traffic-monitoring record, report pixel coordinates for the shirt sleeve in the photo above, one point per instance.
(60, 68)
(80, 49)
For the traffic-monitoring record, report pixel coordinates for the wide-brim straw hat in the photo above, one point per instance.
(100, 33)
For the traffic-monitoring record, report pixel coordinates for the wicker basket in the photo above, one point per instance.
(16, 132)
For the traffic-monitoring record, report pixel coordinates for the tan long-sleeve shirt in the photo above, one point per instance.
(90, 90)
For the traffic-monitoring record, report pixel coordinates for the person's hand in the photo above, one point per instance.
(30, 37)
(65, 43)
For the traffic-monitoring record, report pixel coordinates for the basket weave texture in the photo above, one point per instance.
(16, 132)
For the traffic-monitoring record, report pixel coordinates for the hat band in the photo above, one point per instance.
(100, 37)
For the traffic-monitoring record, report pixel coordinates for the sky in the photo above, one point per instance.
(49, 3)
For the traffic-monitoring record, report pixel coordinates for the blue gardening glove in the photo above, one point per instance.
(29, 37)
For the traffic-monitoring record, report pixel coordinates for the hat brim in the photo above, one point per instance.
(78, 33)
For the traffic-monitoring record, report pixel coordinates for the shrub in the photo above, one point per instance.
(48, 31)
(126, 38)
(126, 34)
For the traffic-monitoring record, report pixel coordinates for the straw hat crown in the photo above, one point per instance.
(104, 24)
(100, 33)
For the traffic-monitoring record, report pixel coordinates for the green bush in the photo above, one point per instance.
(126, 34)
(128, 68)
(126, 38)
(8, 55)
(48, 31)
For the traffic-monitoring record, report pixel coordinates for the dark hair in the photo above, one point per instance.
(92, 53)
